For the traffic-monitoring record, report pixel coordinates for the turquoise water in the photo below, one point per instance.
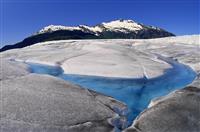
(136, 93)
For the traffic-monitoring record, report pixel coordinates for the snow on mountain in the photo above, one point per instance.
(52, 28)
(122, 25)
(95, 29)
(116, 25)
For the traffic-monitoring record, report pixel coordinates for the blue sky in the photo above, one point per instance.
(21, 18)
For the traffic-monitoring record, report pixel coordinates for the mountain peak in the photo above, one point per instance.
(121, 25)
(125, 20)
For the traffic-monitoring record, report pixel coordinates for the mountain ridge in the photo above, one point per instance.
(117, 29)
(115, 25)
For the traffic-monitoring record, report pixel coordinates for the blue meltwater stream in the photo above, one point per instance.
(135, 93)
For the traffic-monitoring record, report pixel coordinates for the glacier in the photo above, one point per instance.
(136, 93)
(112, 65)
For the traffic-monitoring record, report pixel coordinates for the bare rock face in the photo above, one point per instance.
(176, 112)
(42, 103)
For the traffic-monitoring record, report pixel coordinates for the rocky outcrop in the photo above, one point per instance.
(177, 112)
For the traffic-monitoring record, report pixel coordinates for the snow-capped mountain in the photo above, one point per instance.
(117, 29)
(115, 26)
